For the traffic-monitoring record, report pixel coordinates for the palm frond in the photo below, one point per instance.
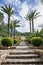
(28, 17)
(17, 25)
(3, 9)
(7, 9)
(37, 16)
(37, 13)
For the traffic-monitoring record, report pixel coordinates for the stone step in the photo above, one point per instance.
(22, 47)
(22, 61)
(22, 64)
(22, 43)
(20, 50)
(23, 52)
(22, 56)
(29, 50)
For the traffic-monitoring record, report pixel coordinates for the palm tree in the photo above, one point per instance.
(29, 18)
(9, 11)
(16, 24)
(11, 27)
(34, 15)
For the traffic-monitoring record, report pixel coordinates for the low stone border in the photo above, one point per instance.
(40, 52)
(3, 54)
(7, 48)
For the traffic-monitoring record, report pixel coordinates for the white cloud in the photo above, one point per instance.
(15, 2)
(5, 18)
(15, 17)
(39, 20)
(24, 9)
(36, 0)
(24, 26)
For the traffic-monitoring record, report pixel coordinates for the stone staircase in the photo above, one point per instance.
(22, 55)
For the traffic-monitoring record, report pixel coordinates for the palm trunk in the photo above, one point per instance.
(11, 32)
(11, 29)
(14, 32)
(32, 26)
(8, 25)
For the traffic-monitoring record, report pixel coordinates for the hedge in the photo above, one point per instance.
(7, 41)
(36, 41)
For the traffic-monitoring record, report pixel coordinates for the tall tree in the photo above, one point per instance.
(34, 15)
(16, 24)
(28, 17)
(9, 11)
(11, 27)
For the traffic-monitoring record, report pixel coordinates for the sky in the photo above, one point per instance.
(23, 7)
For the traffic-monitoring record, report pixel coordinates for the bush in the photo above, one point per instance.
(16, 40)
(28, 39)
(7, 42)
(36, 41)
(42, 41)
(0, 40)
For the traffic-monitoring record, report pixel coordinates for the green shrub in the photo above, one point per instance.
(42, 41)
(36, 41)
(28, 39)
(16, 40)
(7, 42)
(0, 39)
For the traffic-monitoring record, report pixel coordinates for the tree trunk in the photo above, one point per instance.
(14, 32)
(32, 26)
(11, 29)
(8, 25)
(11, 32)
